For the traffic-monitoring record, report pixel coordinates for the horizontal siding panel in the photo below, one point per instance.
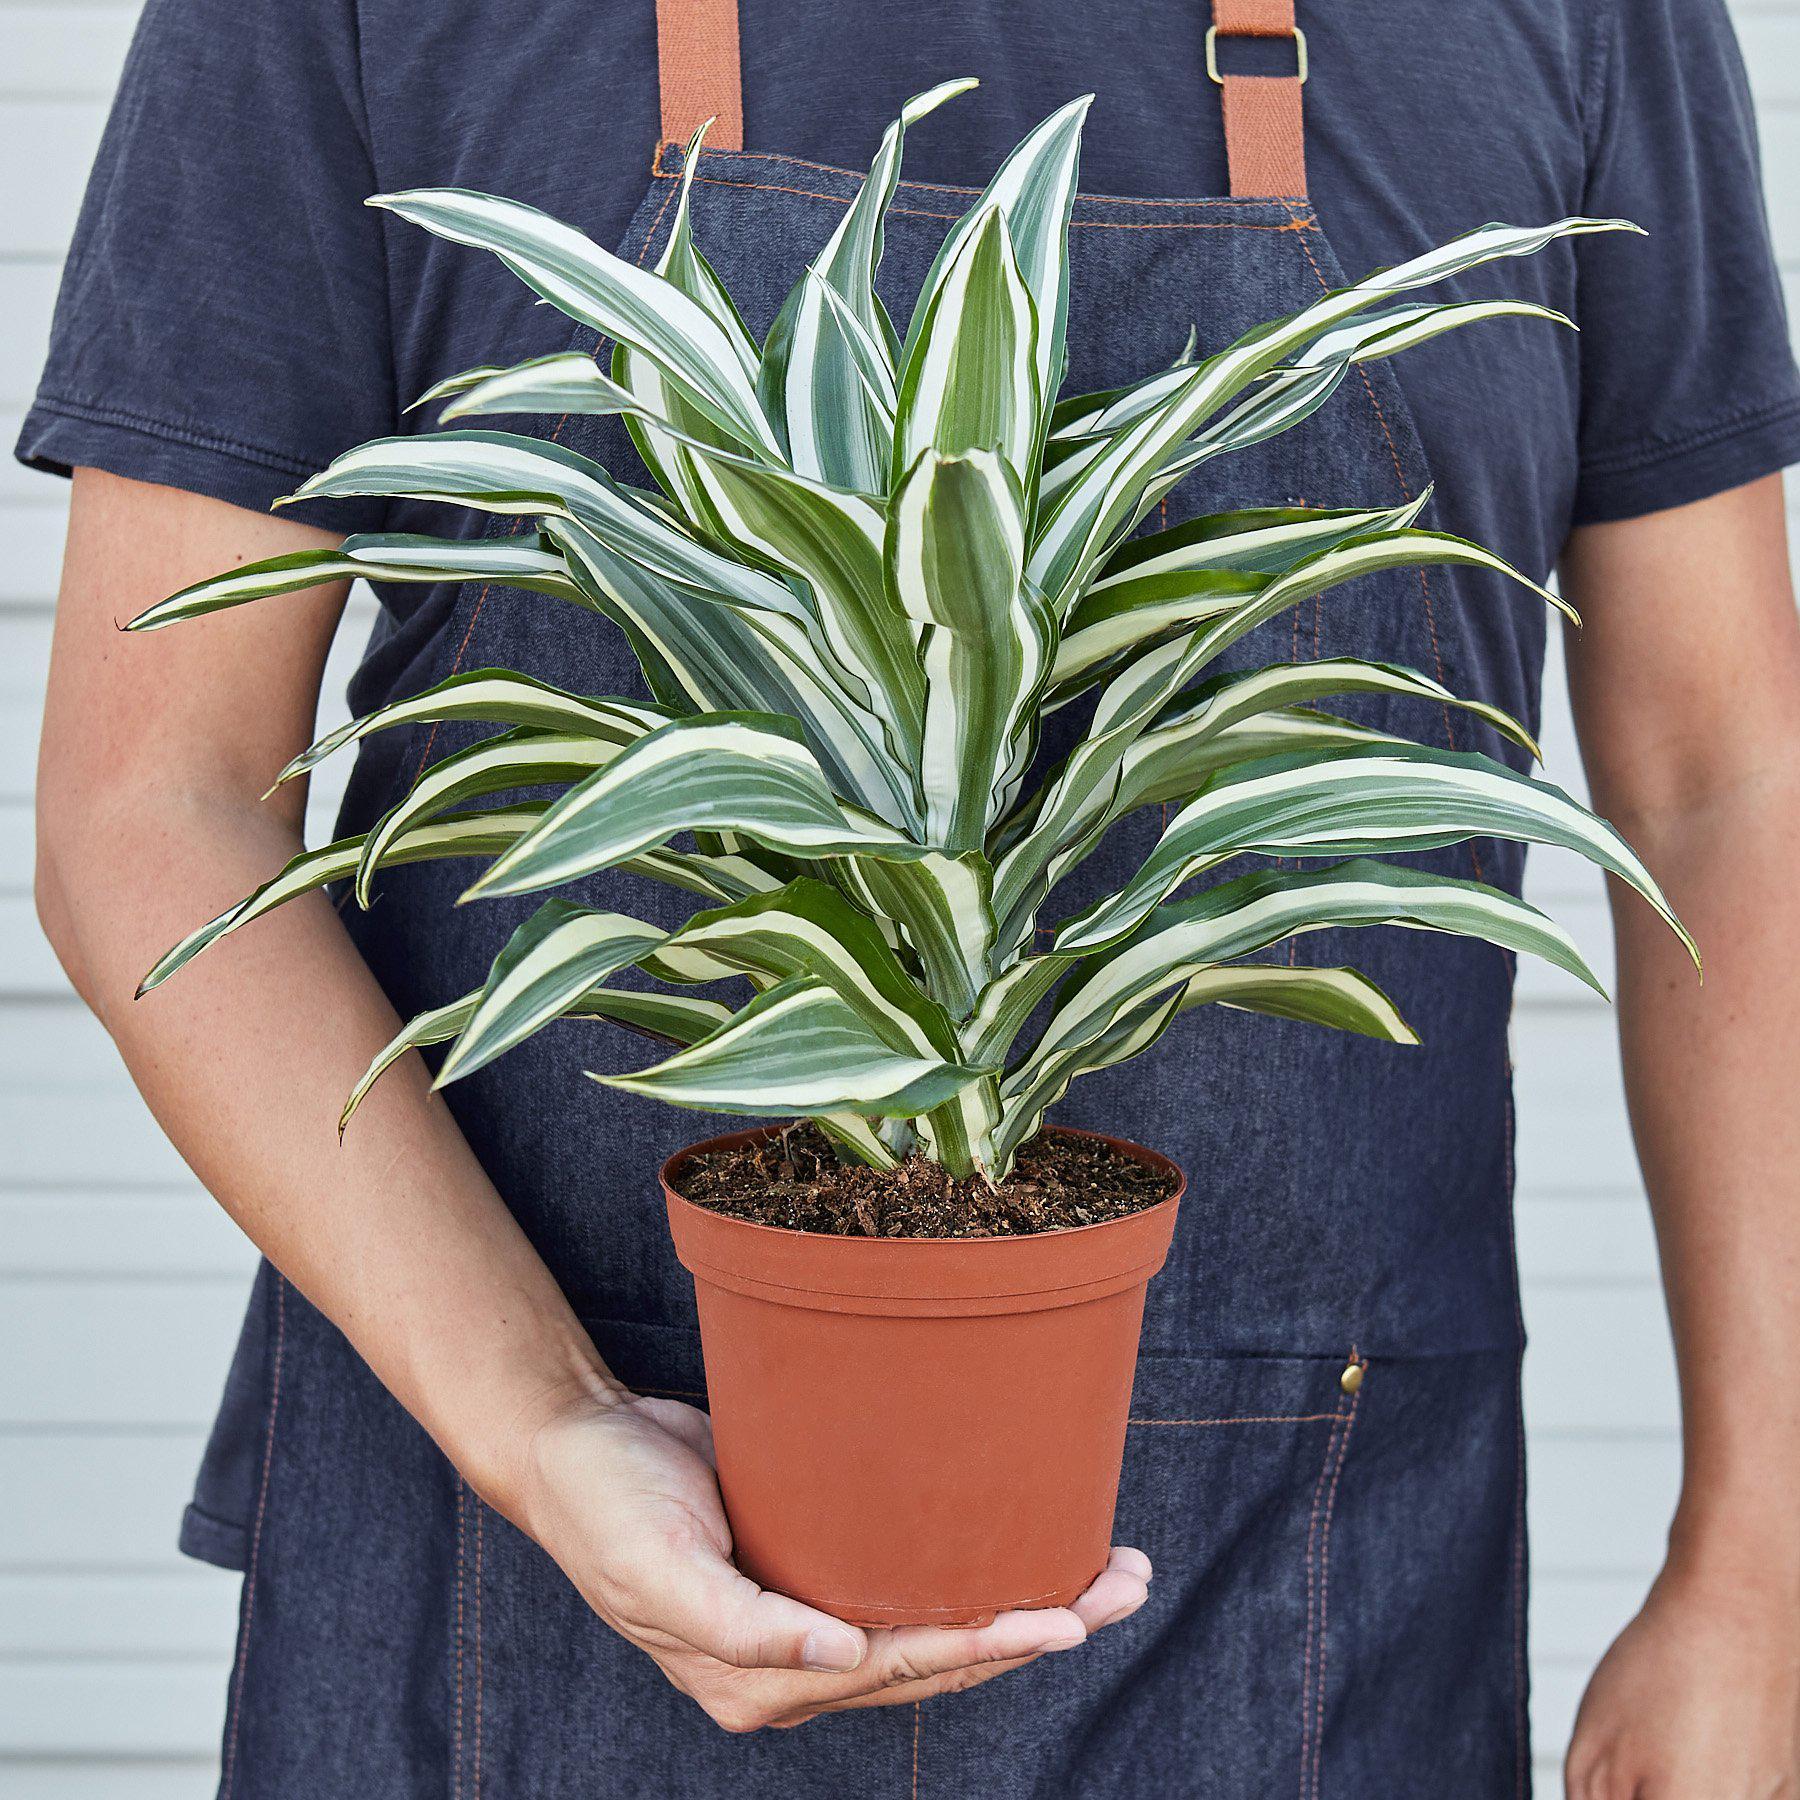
(1600, 1361)
(188, 1613)
(69, 51)
(113, 1708)
(27, 297)
(1568, 1241)
(73, 1353)
(127, 1778)
(46, 150)
(86, 1232)
(102, 1503)
(1599, 1505)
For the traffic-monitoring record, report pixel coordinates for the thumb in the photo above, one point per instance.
(728, 1617)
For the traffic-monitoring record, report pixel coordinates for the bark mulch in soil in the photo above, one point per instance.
(795, 1180)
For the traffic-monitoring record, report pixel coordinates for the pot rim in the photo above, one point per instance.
(761, 1133)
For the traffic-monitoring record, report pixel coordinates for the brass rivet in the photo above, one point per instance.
(1351, 1379)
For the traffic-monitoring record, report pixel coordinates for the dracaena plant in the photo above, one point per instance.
(872, 563)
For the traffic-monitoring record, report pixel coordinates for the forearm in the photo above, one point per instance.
(1714, 1091)
(396, 1234)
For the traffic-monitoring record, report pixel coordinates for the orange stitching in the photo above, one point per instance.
(673, 1393)
(918, 1722)
(1312, 1529)
(480, 1509)
(1246, 1419)
(948, 187)
(262, 1501)
(456, 1759)
(914, 212)
(1325, 1589)
(481, 598)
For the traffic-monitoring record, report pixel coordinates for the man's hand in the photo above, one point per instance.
(624, 1497)
(1699, 1699)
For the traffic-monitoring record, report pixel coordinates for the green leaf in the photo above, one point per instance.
(1034, 191)
(491, 696)
(798, 1048)
(469, 834)
(1339, 998)
(970, 380)
(557, 956)
(517, 759)
(522, 561)
(1240, 917)
(568, 382)
(747, 774)
(829, 383)
(832, 541)
(706, 651)
(853, 253)
(1392, 797)
(1097, 507)
(955, 557)
(615, 297)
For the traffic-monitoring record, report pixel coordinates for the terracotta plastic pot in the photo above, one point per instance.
(920, 1430)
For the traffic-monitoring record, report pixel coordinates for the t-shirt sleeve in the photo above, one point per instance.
(223, 321)
(1688, 378)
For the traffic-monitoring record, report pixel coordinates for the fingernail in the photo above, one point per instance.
(831, 1648)
(1067, 1640)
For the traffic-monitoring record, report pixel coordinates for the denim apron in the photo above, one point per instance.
(1324, 1460)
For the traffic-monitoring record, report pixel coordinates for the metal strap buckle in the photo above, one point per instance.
(1212, 54)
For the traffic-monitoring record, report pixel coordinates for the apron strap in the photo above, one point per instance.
(1265, 150)
(697, 64)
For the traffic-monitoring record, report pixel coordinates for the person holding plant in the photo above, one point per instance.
(969, 646)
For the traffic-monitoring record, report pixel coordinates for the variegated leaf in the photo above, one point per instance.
(798, 1048)
(748, 774)
(955, 557)
(1392, 798)
(635, 306)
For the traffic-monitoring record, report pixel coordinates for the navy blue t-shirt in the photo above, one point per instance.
(232, 316)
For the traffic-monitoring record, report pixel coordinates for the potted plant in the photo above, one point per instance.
(872, 564)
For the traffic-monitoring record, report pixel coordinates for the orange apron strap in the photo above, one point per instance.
(697, 64)
(1265, 150)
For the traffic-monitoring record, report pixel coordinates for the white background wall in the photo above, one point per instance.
(121, 1283)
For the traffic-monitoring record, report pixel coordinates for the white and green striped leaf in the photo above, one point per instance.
(1102, 502)
(567, 382)
(970, 380)
(635, 306)
(955, 557)
(1390, 798)
(1034, 192)
(799, 1048)
(1240, 917)
(471, 834)
(555, 958)
(748, 774)
(512, 761)
(491, 696)
(678, 1018)
(829, 384)
(1342, 999)
(524, 562)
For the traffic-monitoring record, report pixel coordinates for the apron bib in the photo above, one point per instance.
(1324, 1462)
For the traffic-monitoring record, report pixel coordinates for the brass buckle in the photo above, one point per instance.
(1212, 54)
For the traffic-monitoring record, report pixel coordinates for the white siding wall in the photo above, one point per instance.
(113, 1650)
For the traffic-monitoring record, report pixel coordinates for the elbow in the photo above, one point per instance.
(56, 912)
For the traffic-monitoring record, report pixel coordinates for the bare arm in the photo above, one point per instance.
(1686, 685)
(155, 751)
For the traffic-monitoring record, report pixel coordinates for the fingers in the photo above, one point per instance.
(1117, 1591)
(725, 1615)
(920, 1652)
